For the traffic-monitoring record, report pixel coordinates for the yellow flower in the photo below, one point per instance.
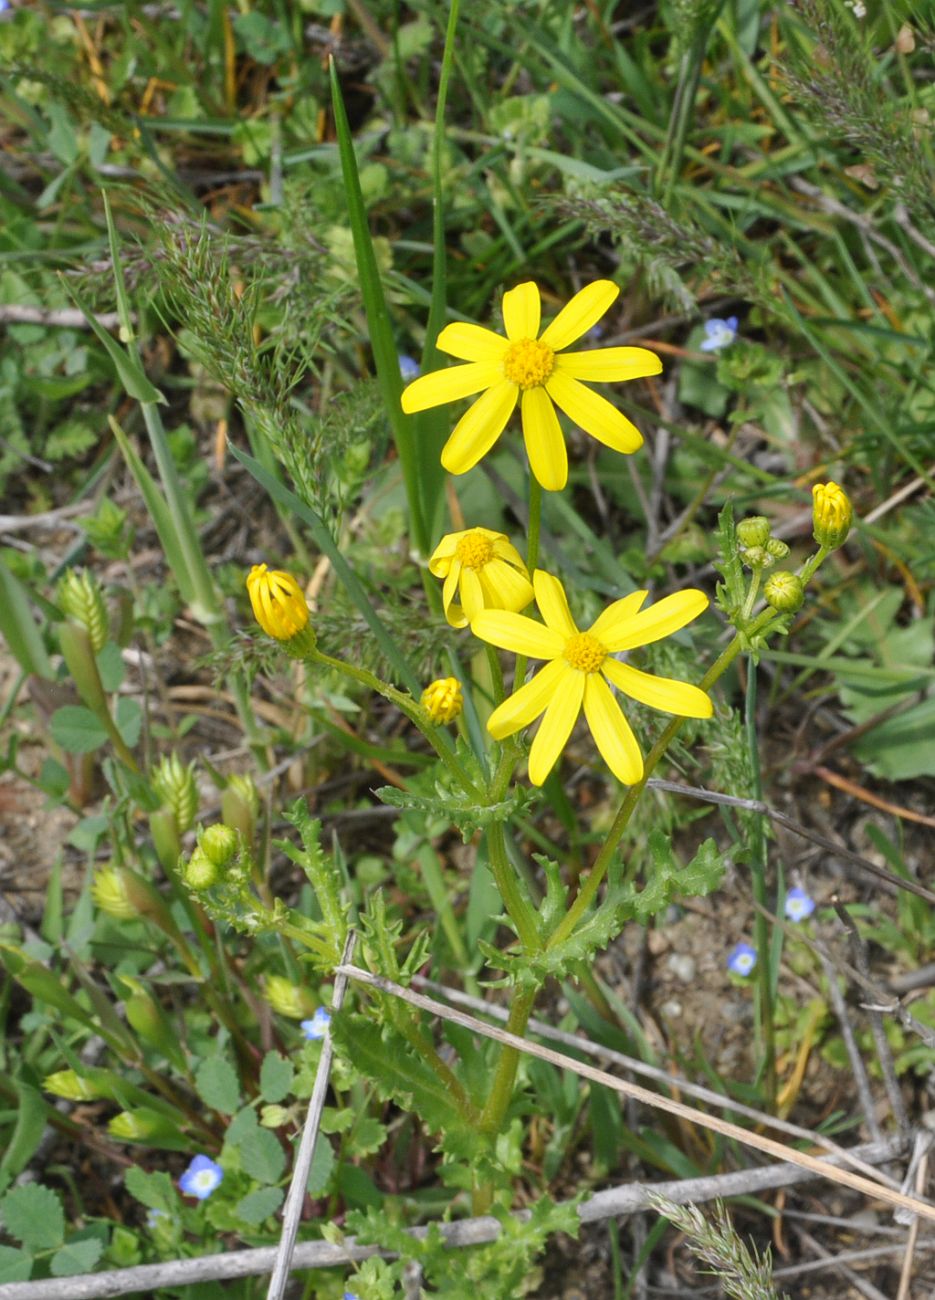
(580, 666)
(279, 605)
(442, 699)
(484, 569)
(832, 515)
(535, 370)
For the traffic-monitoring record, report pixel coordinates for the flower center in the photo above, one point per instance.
(584, 652)
(475, 550)
(528, 363)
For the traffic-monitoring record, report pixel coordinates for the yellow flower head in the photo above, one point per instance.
(484, 570)
(832, 514)
(279, 605)
(535, 370)
(580, 666)
(442, 699)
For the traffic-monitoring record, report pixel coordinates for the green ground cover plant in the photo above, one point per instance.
(468, 544)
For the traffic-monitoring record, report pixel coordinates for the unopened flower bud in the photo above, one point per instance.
(219, 843)
(753, 531)
(757, 557)
(273, 1116)
(143, 1125)
(71, 1086)
(174, 784)
(280, 608)
(832, 515)
(442, 699)
(776, 549)
(82, 601)
(784, 591)
(288, 999)
(200, 872)
(240, 804)
(109, 892)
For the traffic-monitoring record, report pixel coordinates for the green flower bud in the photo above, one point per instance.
(784, 591)
(287, 998)
(240, 804)
(109, 891)
(176, 789)
(166, 839)
(757, 557)
(200, 872)
(274, 1116)
(776, 549)
(144, 1125)
(753, 531)
(832, 515)
(82, 602)
(219, 843)
(71, 1086)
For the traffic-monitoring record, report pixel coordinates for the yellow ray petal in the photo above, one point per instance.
(453, 612)
(661, 619)
(658, 692)
(593, 412)
(442, 556)
(505, 550)
(576, 317)
(479, 427)
(545, 445)
(553, 604)
(517, 633)
(443, 386)
(504, 587)
(611, 731)
(474, 343)
(522, 309)
(616, 613)
(556, 725)
(605, 365)
(525, 705)
(471, 592)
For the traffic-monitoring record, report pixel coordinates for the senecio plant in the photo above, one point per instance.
(498, 596)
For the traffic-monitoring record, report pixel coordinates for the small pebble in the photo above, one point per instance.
(683, 967)
(671, 1009)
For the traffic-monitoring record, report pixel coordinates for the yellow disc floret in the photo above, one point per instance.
(528, 363)
(584, 652)
(475, 549)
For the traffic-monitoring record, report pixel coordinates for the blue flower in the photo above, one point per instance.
(201, 1178)
(799, 905)
(742, 960)
(350, 1295)
(409, 368)
(720, 334)
(316, 1027)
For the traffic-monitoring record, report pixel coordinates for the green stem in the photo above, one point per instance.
(501, 1091)
(758, 875)
(519, 908)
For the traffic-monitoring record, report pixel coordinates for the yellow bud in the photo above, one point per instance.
(109, 892)
(832, 515)
(280, 608)
(442, 699)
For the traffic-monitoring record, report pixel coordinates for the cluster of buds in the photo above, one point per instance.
(216, 847)
(758, 550)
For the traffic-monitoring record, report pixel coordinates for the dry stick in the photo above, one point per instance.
(612, 1203)
(726, 1129)
(912, 1242)
(755, 805)
(857, 1282)
(673, 1081)
(849, 1257)
(850, 1044)
(884, 1055)
(303, 1161)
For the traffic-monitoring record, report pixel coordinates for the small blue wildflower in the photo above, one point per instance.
(350, 1295)
(742, 960)
(4, 4)
(720, 334)
(154, 1218)
(409, 368)
(316, 1027)
(799, 905)
(201, 1178)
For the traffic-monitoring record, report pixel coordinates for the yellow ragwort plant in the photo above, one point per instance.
(484, 570)
(579, 667)
(535, 370)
